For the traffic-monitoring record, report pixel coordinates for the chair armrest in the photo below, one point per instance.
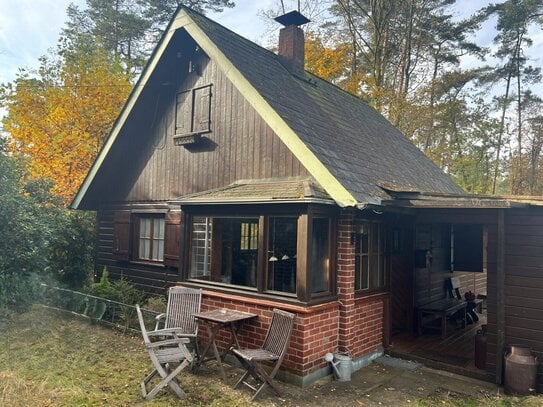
(167, 332)
(166, 342)
(159, 318)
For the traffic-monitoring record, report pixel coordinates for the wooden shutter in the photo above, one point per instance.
(121, 235)
(183, 115)
(202, 110)
(172, 234)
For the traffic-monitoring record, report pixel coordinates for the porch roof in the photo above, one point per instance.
(265, 191)
(413, 199)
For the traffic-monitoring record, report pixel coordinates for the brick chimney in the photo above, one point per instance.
(291, 41)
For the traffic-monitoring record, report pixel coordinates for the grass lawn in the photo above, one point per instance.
(52, 358)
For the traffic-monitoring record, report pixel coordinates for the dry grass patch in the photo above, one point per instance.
(16, 391)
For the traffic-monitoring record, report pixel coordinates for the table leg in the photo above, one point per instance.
(234, 328)
(212, 332)
(443, 325)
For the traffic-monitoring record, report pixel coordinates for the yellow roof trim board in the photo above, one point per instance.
(315, 167)
(300, 150)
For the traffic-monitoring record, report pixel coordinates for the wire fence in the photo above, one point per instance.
(99, 310)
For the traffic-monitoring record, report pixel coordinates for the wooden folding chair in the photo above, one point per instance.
(163, 353)
(183, 302)
(273, 350)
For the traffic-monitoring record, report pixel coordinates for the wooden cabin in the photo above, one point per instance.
(232, 169)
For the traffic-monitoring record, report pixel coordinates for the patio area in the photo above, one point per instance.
(455, 353)
(53, 358)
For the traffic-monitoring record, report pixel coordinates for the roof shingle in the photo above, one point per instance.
(356, 143)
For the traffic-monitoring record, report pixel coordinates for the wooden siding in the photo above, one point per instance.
(240, 145)
(524, 281)
(149, 278)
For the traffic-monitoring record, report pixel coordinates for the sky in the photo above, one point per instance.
(28, 28)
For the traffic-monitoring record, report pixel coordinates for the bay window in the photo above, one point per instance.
(285, 254)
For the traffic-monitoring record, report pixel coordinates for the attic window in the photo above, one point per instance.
(193, 115)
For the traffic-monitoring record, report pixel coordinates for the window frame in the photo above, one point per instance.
(215, 256)
(269, 249)
(381, 253)
(136, 237)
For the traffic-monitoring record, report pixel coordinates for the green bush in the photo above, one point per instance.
(103, 288)
(121, 290)
(41, 240)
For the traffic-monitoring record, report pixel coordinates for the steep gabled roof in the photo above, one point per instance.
(347, 146)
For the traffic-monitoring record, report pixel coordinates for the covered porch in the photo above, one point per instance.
(503, 238)
(456, 353)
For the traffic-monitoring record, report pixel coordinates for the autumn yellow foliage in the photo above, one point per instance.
(59, 117)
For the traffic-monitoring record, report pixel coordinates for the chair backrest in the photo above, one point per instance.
(142, 326)
(182, 303)
(278, 335)
(453, 285)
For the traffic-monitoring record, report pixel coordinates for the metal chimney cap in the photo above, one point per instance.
(292, 18)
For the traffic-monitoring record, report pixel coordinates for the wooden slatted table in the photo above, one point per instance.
(218, 319)
(440, 310)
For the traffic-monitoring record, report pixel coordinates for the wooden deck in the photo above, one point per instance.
(455, 353)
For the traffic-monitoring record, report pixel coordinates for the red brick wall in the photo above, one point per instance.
(314, 334)
(367, 329)
(345, 281)
(361, 319)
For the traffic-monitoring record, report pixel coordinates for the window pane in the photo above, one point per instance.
(159, 229)
(144, 245)
(238, 259)
(160, 250)
(364, 243)
(282, 241)
(235, 259)
(374, 271)
(364, 273)
(201, 247)
(145, 228)
(320, 255)
(146, 249)
(158, 239)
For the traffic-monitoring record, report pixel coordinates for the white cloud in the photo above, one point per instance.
(28, 28)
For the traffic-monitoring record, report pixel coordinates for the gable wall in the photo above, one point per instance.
(240, 145)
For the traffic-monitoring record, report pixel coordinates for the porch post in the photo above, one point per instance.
(345, 280)
(500, 294)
